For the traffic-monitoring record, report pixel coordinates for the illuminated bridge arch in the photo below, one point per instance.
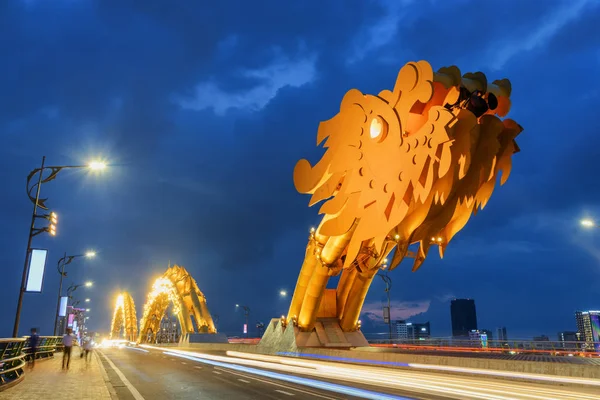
(124, 322)
(177, 287)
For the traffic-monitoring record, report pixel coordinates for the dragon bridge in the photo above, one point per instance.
(406, 166)
(178, 288)
(124, 321)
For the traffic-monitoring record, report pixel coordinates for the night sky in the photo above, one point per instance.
(203, 111)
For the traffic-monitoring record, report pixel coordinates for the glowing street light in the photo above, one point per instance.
(90, 254)
(87, 300)
(588, 223)
(97, 165)
(73, 288)
(87, 310)
(283, 293)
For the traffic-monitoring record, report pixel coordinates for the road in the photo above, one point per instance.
(148, 374)
(484, 354)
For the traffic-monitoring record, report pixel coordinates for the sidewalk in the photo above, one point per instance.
(48, 380)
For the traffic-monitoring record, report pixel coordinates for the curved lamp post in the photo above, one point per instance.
(247, 314)
(388, 286)
(51, 217)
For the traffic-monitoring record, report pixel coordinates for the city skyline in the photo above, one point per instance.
(191, 120)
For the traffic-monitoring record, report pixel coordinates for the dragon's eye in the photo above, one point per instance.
(378, 129)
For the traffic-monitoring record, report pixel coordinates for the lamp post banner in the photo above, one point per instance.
(35, 271)
(62, 311)
(386, 315)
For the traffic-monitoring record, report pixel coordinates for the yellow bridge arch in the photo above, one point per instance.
(124, 322)
(176, 286)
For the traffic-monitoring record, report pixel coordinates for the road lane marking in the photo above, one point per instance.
(216, 372)
(298, 380)
(278, 384)
(172, 359)
(183, 363)
(243, 380)
(284, 392)
(132, 389)
(198, 367)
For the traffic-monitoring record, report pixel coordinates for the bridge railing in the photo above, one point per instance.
(15, 352)
(12, 361)
(494, 346)
(47, 346)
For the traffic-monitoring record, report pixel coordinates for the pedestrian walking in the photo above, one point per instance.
(34, 340)
(87, 347)
(68, 341)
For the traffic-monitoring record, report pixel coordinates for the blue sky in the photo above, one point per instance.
(204, 111)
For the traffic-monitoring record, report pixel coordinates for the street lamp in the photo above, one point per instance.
(388, 286)
(588, 223)
(247, 314)
(61, 270)
(74, 287)
(97, 165)
(51, 217)
(87, 300)
(283, 293)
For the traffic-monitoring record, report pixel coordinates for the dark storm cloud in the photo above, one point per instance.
(205, 110)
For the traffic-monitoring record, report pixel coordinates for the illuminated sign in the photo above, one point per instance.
(62, 310)
(35, 272)
(245, 328)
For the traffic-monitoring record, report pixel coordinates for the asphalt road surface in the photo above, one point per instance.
(148, 374)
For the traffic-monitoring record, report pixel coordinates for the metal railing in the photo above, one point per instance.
(16, 352)
(586, 349)
(47, 346)
(12, 361)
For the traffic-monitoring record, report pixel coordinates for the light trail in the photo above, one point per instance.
(369, 373)
(347, 390)
(459, 387)
(446, 368)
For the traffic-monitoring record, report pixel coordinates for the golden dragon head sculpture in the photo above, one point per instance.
(410, 165)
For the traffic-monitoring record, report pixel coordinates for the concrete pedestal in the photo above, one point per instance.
(327, 333)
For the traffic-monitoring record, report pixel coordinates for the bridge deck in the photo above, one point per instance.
(47, 380)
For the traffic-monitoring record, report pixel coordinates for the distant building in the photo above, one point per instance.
(488, 333)
(168, 331)
(541, 338)
(411, 331)
(501, 334)
(570, 340)
(464, 317)
(401, 330)
(474, 335)
(588, 326)
(477, 338)
(421, 331)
